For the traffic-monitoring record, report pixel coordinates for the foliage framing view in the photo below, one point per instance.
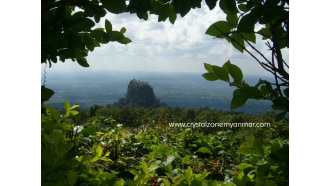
(69, 33)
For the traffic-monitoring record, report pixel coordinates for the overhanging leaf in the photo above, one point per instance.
(238, 42)
(84, 25)
(172, 14)
(182, 6)
(247, 23)
(115, 6)
(89, 42)
(116, 36)
(124, 40)
(82, 62)
(234, 71)
(208, 67)
(252, 92)
(238, 100)
(209, 76)
(281, 103)
(46, 93)
(232, 19)
(122, 30)
(250, 36)
(108, 26)
(164, 13)
(220, 73)
(211, 3)
(219, 29)
(228, 6)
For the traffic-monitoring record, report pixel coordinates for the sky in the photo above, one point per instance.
(162, 46)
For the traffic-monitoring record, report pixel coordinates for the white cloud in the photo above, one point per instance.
(161, 46)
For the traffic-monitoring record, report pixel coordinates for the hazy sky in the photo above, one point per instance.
(161, 46)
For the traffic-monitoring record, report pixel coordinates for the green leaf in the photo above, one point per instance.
(238, 100)
(98, 34)
(247, 23)
(219, 29)
(238, 42)
(98, 151)
(186, 160)
(172, 14)
(108, 26)
(243, 7)
(164, 13)
(252, 92)
(67, 105)
(245, 150)
(72, 177)
(66, 126)
(82, 62)
(74, 107)
(249, 36)
(115, 6)
(166, 182)
(89, 42)
(144, 167)
(232, 19)
(266, 33)
(46, 93)
(205, 150)
(208, 67)
(124, 40)
(243, 166)
(188, 175)
(84, 25)
(74, 112)
(210, 76)
(153, 167)
(258, 146)
(122, 30)
(281, 103)
(116, 36)
(211, 3)
(182, 6)
(220, 73)
(228, 6)
(234, 71)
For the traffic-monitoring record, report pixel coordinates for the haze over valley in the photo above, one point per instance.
(188, 89)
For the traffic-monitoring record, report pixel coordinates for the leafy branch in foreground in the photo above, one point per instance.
(239, 30)
(68, 30)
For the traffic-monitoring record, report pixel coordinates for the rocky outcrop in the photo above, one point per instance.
(139, 94)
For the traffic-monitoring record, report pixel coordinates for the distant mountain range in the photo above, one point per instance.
(173, 88)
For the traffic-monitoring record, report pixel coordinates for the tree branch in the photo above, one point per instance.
(262, 64)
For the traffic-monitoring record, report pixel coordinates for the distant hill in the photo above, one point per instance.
(139, 94)
(176, 89)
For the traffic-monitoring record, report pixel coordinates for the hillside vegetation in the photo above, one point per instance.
(137, 146)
